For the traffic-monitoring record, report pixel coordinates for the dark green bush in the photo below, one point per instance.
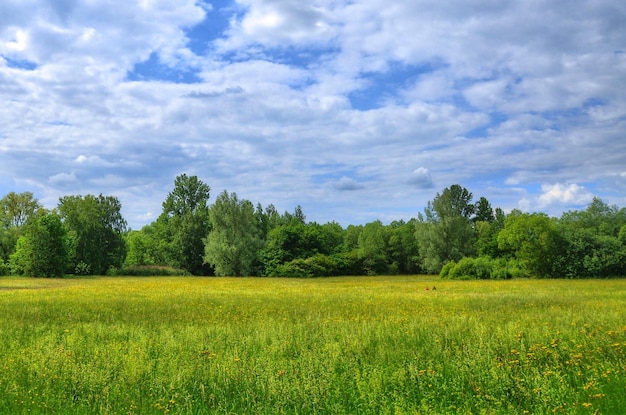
(298, 268)
(4, 269)
(478, 268)
(147, 271)
(319, 265)
(82, 269)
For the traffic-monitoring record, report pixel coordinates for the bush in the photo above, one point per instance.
(4, 269)
(463, 270)
(147, 271)
(477, 268)
(445, 270)
(347, 263)
(318, 265)
(82, 269)
(516, 269)
(500, 270)
(483, 268)
(298, 268)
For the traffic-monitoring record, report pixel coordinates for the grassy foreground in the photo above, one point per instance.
(371, 345)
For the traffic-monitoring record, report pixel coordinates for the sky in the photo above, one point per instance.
(355, 110)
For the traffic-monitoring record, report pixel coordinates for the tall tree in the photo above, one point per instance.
(446, 233)
(43, 250)
(96, 227)
(185, 218)
(16, 210)
(483, 212)
(455, 201)
(373, 248)
(534, 241)
(232, 247)
(403, 247)
(594, 247)
(267, 219)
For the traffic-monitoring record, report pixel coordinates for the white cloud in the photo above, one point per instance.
(278, 24)
(563, 195)
(92, 161)
(421, 178)
(493, 94)
(63, 179)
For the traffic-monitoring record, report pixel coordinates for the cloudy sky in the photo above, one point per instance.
(355, 110)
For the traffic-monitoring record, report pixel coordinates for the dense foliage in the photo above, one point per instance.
(455, 237)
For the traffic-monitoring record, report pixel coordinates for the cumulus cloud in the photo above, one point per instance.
(278, 24)
(255, 95)
(564, 195)
(421, 178)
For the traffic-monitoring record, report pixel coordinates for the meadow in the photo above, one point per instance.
(350, 345)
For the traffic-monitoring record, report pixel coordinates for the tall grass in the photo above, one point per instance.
(374, 345)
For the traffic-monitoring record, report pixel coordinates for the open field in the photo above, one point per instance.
(370, 345)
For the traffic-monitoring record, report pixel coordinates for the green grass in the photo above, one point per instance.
(369, 345)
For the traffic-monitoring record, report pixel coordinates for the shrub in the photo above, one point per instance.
(298, 268)
(147, 271)
(463, 270)
(483, 267)
(500, 270)
(4, 269)
(445, 270)
(82, 269)
(478, 268)
(348, 263)
(318, 265)
(516, 269)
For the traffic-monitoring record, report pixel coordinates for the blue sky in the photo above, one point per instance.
(355, 110)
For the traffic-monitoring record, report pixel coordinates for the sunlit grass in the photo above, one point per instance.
(338, 345)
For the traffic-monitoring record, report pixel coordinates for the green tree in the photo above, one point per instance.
(16, 210)
(533, 240)
(483, 212)
(295, 240)
(373, 248)
(594, 247)
(96, 228)
(140, 249)
(43, 250)
(455, 201)
(330, 237)
(599, 218)
(185, 222)
(351, 237)
(268, 219)
(446, 233)
(403, 247)
(487, 235)
(233, 245)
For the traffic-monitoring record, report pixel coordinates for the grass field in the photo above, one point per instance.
(369, 345)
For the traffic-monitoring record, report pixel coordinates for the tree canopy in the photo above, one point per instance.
(96, 228)
(184, 224)
(233, 245)
(454, 236)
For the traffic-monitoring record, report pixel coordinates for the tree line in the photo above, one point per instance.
(455, 237)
